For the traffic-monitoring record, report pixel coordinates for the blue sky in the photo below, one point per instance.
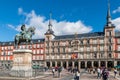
(68, 16)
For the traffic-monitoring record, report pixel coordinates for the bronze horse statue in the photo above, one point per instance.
(24, 36)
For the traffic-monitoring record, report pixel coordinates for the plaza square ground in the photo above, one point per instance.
(65, 75)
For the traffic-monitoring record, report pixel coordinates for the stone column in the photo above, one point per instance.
(67, 64)
(55, 63)
(50, 63)
(106, 64)
(73, 64)
(92, 64)
(61, 63)
(98, 63)
(115, 63)
(85, 64)
(79, 66)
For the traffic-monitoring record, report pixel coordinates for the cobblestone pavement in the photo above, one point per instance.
(84, 76)
(88, 76)
(65, 75)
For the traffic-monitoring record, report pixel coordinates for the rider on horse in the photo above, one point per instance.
(23, 32)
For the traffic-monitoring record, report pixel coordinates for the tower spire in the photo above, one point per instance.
(50, 31)
(109, 23)
(50, 23)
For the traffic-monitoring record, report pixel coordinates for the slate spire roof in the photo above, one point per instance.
(50, 31)
(108, 18)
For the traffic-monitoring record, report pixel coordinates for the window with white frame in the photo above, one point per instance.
(88, 55)
(5, 58)
(101, 48)
(57, 57)
(34, 46)
(2, 53)
(8, 57)
(11, 53)
(118, 40)
(2, 48)
(69, 49)
(38, 45)
(38, 51)
(69, 56)
(101, 41)
(33, 57)
(5, 48)
(8, 52)
(42, 45)
(94, 48)
(94, 41)
(63, 57)
(41, 51)
(47, 57)
(118, 48)
(41, 57)
(11, 47)
(37, 57)
(53, 57)
(81, 49)
(88, 48)
(81, 56)
(8, 47)
(1, 58)
(34, 51)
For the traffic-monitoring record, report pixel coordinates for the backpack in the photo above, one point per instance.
(105, 74)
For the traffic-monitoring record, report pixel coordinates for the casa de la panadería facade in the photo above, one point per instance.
(75, 50)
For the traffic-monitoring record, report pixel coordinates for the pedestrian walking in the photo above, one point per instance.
(59, 71)
(53, 71)
(78, 75)
(93, 70)
(115, 72)
(98, 72)
(105, 74)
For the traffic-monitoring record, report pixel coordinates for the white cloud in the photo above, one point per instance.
(116, 22)
(116, 10)
(60, 28)
(11, 26)
(20, 10)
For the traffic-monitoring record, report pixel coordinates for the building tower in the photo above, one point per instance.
(109, 38)
(49, 35)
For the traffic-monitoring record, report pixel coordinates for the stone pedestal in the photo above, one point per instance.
(22, 63)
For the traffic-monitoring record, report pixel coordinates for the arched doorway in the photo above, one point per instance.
(95, 63)
(89, 64)
(76, 64)
(110, 64)
(102, 64)
(118, 63)
(48, 64)
(53, 64)
(64, 64)
(70, 64)
(82, 64)
(58, 64)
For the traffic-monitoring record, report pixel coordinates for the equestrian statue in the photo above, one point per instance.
(24, 36)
